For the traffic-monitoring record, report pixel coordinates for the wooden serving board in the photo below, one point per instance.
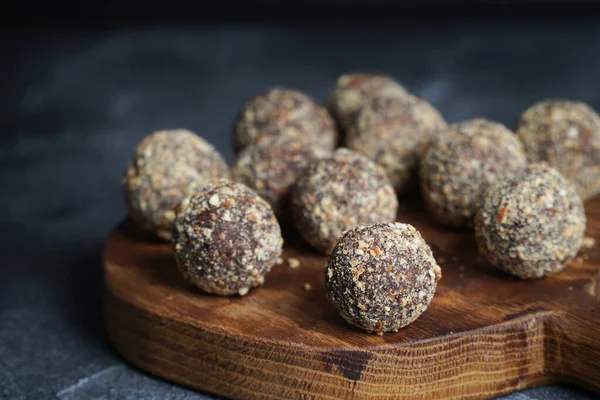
(484, 334)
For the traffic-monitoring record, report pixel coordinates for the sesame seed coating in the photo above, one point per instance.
(392, 132)
(226, 238)
(284, 112)
(566, 134)
(352, 91)
(381, 277)
(272, 166)
(459, 164)
(167, 167)
(340, 192)
(531, 224)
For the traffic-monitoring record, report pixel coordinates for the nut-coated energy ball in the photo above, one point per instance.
(566, 134)
(226, 238)
(353, 91)
(531, 224)
(459, 164)
(272, 166)
(392, 132)
(381, 277)
(284, 112)
(167, 167)
(339, 192)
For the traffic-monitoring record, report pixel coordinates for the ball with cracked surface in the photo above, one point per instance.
(461, 162)
(339, 192)
(167, 167)
(381, 277)
(566, 134)
(226, 238)
(532, 224)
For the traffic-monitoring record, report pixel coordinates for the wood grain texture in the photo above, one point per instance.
(484, 334)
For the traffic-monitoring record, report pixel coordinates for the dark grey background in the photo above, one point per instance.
(75, 102)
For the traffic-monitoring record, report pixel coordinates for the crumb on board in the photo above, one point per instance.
(454, 258)
(570, 287)
(293, 262)
(461, 267)
(441, 259)
(307, 286)
(588, 242)
(278, 261)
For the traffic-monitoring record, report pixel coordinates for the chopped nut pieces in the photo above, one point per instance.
(294, 262)
(167, 167)
(384, 292)
(542, 226)
(339, 192)
(220, 256)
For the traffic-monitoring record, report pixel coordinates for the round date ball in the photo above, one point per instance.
(284, 112)
(392, 132)
(340, 192)
(167, 167)
(226, 238)
(272, 166)
(353, 91)
(459, 164)
(381, 277)
(531, 224)
(566, 134)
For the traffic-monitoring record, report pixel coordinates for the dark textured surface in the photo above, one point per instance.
(75, 105)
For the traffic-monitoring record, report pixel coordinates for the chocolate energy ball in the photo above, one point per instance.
(352, 91)
(566, 134)
(284, 112)
(226, 238)
(459, 164)
(339, 192)
(531, 224)
(167, 167)
(392, 132)
(381, 277)
(272, 166)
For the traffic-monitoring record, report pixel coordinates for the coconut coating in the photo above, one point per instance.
(531, 224)
(167, 167)
(226, 238)
(284, 112)
(459, 164)
(392, 132)
(340, 192)
(353, 91)
(566, 134)
(272, 166)
(381, 277)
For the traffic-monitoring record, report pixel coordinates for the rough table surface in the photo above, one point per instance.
(73, 106)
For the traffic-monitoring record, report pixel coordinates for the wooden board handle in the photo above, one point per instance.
(575, 339)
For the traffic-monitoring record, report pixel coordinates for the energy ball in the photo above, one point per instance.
(226, 238)
(459, 164)
(566, 134)
(392, 132)
(272, 166)
(353, 91)
(340, 192)
(381, 277)
(284, 112)
(167, 167)
(531, 224)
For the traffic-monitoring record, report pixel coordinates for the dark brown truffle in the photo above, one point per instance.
(381, 277)
(284, 112)
(531, 224)
(459, 164)
(272, 166)
(226, 238)
(566, 134)
(167, 167)
(392, 132)
(339, 192)
(353, 91)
